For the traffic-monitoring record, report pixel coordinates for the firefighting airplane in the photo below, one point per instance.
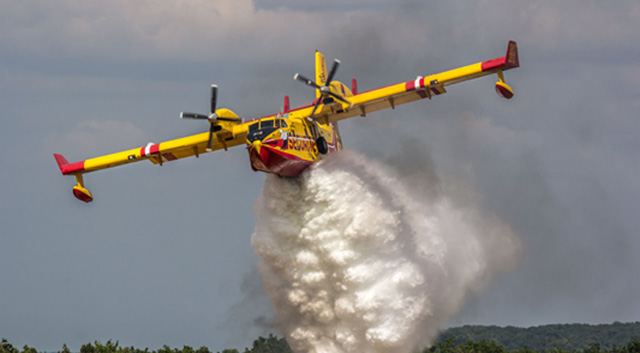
(288, 142)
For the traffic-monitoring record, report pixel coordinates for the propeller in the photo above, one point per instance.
(212, 117)
(324, 89)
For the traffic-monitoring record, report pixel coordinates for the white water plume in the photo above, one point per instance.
(353, 262)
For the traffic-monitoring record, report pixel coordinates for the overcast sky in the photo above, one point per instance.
(162, 256)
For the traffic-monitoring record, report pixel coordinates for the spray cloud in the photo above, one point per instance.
(354, 262)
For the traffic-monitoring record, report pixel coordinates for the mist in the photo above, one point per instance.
(353, 260)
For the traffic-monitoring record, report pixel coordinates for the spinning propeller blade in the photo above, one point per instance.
(338, 97)
(332, 73)
(212, 117)
(315, 107)
(214, 98)
(306, 81)
(325, 90)
(210, 140)
(194, 116)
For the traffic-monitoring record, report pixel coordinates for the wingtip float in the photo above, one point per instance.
(66, 168)
(288, 142)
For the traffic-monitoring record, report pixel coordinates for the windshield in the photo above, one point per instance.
(261, 129)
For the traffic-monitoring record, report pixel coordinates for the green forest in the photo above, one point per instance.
(567, 338)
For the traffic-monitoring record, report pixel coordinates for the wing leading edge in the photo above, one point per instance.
(428, 86)
(159, 153)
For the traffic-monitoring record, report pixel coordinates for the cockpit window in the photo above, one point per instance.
(260, 130)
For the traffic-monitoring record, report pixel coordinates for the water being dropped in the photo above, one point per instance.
(354, 262)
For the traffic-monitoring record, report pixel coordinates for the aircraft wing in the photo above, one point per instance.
(156, 153)
(427, 86)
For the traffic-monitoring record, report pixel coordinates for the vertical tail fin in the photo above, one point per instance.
(321, 71)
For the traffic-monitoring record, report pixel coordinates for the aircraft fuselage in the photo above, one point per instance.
(286, 147)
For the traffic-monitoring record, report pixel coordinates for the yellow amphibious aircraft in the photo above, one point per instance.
(288, 142)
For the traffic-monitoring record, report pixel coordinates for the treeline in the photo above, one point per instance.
(567, 337)
(273, 344)
(570, 338)
(270, 344)
(449, 346)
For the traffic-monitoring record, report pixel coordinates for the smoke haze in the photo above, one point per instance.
(354, 261)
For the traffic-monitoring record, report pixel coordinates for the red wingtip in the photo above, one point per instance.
(60, 160)
(66, 167)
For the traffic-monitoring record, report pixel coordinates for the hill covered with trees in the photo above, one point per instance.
(567, 338)
(570, 337)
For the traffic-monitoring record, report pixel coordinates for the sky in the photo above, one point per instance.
(163, 254)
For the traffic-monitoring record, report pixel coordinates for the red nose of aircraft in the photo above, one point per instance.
(264, 157)
(258, 156)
